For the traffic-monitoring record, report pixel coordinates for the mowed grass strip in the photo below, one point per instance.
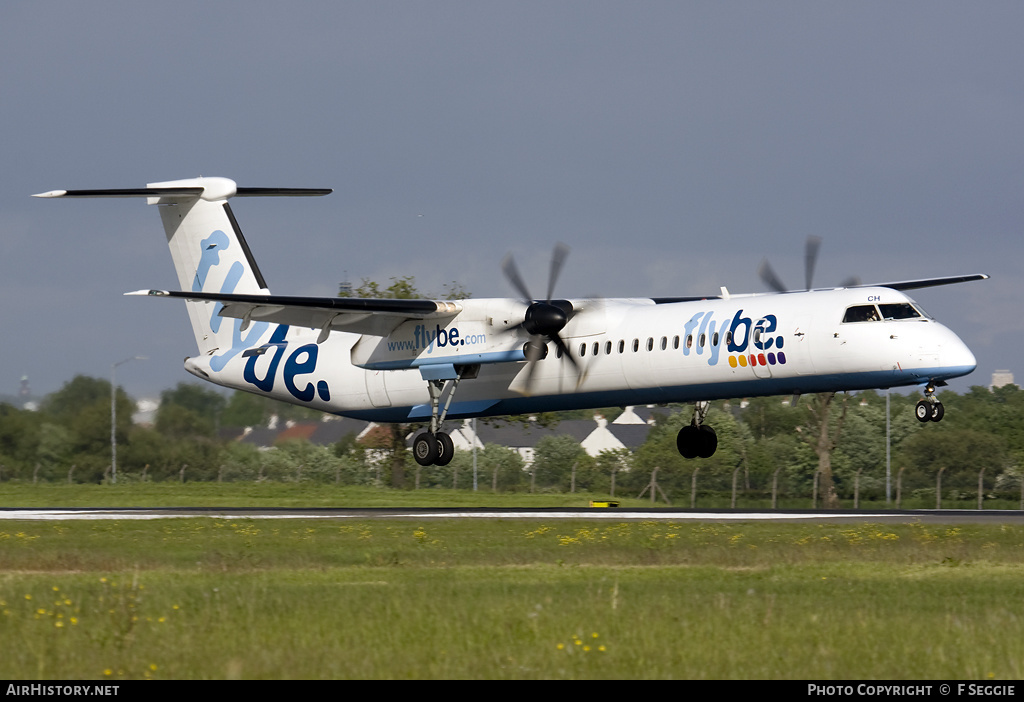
(309, 599)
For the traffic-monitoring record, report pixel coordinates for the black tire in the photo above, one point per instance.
(938, 411)
(445, 449)
(707, 441)
(424, 449)
(923, 411)
(687, 441)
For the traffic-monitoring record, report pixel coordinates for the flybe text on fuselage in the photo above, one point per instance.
(746, 340)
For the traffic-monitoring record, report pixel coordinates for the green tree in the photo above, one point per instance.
(82, 406)
(553, 460)
(203, 402)
(20, 432)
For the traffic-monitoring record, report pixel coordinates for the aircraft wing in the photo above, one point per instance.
(376, 317)
(926, 282)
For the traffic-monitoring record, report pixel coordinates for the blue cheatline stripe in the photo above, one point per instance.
(754, 387)
(462, 359)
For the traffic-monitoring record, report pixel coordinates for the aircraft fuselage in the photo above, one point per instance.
(632, 351)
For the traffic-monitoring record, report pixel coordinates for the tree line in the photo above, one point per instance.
(763, 442)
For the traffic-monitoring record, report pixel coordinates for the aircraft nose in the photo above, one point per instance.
(957, 357)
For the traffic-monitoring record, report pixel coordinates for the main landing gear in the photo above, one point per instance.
(434, 447)
(697, 440)
(929, 409)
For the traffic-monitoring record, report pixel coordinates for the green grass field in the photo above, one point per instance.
(308, 599)
(275, 494)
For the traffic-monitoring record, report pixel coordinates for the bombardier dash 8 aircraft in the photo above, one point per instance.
(432, 360)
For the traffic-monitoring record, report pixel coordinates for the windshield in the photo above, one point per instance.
(886, 311)
(901, 310)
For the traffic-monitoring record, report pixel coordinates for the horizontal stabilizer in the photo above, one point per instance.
(184, 192)
(125, 192)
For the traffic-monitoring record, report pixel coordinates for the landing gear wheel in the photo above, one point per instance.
(445, 449)
(697, 441)
(707, 441)
(425, 449)
(923, 411)
(937, 412)
(686, 441)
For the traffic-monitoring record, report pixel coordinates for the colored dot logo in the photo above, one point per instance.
(757, 359)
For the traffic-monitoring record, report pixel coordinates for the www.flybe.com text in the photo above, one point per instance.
(423, 338)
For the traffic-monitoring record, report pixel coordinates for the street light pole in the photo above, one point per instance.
(113, 414)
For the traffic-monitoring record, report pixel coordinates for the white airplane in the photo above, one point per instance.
(425, 361)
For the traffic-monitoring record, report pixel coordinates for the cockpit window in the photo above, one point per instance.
(901, 310)
(861, 313)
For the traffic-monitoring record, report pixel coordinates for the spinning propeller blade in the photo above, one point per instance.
(542, 320)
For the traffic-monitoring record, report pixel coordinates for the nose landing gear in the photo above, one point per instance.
(929, 409)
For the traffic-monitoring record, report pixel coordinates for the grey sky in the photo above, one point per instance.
(672, 145)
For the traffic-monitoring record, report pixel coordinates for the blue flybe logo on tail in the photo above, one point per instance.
(210, 249)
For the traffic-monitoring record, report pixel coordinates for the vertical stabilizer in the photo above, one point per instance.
(210, 255)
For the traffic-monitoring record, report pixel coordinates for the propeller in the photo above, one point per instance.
(543, 320)
(811, 249)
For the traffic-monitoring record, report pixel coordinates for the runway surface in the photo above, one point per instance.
(946, 516)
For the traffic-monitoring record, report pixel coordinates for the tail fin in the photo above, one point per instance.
(209, 252)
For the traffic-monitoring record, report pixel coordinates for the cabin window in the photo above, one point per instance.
(728, 337)
(714, 339)
(703, 339)
(861, 313)
(664, 343)
(650, 343)
(622, 345)
(597, 348)
(607, 348)
(689, 341)
(900, 310)
(675, 342)
(636, 345)
(583, 350)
